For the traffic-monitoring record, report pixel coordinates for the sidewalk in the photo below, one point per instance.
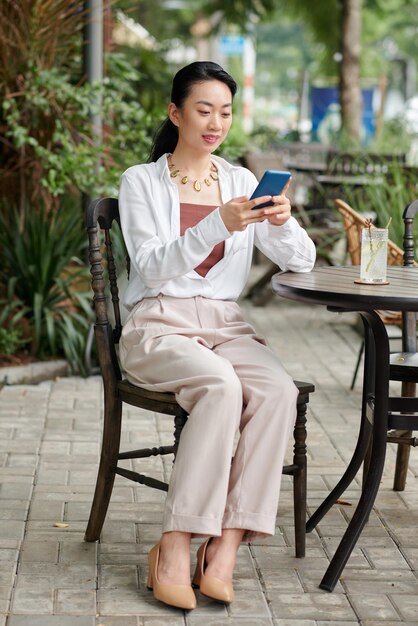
(49, 445)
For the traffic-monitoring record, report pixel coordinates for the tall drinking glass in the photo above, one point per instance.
(374, 255)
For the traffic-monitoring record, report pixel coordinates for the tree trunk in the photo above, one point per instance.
(351, 98)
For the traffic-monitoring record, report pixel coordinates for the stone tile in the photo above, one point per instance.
(32, 601)
(58, 575)
(377, 587)
(300, 622)
(285, 580)
(384, 558)
(197, 620)
(370, 606)
(5, 594)
(106, 620)
(37, 619)
(77, 553)
(15, 491)
(114, 576)
(43, 509)
(52, 477)
(124, 532)
(17, 515)
(39, 551)
(334, 623)
(47, 447)
(130, 601)
(407, 606)
(311, 606)
(368, 622)
(7, 573)
(9, 554)
(75, 602)
(159, 621)
(249, 604)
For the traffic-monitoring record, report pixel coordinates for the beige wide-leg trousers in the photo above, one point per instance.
(228, 380)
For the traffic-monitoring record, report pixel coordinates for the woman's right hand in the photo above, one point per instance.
(239, 212)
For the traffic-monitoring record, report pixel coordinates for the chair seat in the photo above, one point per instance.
(404, 366)
(157, 401)
(166, 403)
(138, 396)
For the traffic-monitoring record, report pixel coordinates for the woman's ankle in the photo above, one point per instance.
(175, 540)
(221, 553)
(174, 564)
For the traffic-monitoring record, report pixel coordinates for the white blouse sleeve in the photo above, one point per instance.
(289, 246)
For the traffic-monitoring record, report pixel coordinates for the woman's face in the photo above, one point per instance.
(205, 116)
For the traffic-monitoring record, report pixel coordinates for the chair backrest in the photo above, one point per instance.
(100, 216)
(409, 318)
(361, 163)
(353, 224)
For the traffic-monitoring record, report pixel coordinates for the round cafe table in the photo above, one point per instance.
(334, 287)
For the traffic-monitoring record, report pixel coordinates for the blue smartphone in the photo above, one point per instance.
(272, 183)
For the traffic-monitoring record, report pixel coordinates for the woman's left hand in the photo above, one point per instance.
(280, 212)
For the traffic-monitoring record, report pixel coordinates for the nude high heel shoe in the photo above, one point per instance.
(180, 596)
(211, 586)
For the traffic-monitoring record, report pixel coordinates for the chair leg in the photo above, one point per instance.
(300, 477)
(179, 423)
(108, 462)
(402, 461)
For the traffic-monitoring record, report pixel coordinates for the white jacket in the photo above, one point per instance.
(162, 261)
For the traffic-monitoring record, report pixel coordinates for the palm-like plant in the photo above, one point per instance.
(51, 280)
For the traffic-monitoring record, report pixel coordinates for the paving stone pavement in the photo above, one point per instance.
(49, 446)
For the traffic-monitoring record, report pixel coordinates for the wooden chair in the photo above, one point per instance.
(100, 216)
(403, 366)
(362, 163)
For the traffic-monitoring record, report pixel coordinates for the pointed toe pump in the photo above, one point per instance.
(210, 586)
(180, 596)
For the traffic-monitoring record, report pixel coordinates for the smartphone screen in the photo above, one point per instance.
(272, 183)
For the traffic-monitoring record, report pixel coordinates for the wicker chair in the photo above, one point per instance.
(403, 366)
(100, 216)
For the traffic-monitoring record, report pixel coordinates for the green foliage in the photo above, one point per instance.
(49, 145)
(11, 340)
(42, 257)
(388, 199)
(12, 311)
(48, 123)
(240, 12)
(393, 139)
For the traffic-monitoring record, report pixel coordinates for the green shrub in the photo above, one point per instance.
(43, 257)
(388, 199)
(12, 311)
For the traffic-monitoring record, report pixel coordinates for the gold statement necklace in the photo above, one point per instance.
(197, 184)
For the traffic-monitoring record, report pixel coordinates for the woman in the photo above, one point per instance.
(189, 228)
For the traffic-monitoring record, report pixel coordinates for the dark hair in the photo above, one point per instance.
(166, 137)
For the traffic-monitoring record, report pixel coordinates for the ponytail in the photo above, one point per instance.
(165, 140)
